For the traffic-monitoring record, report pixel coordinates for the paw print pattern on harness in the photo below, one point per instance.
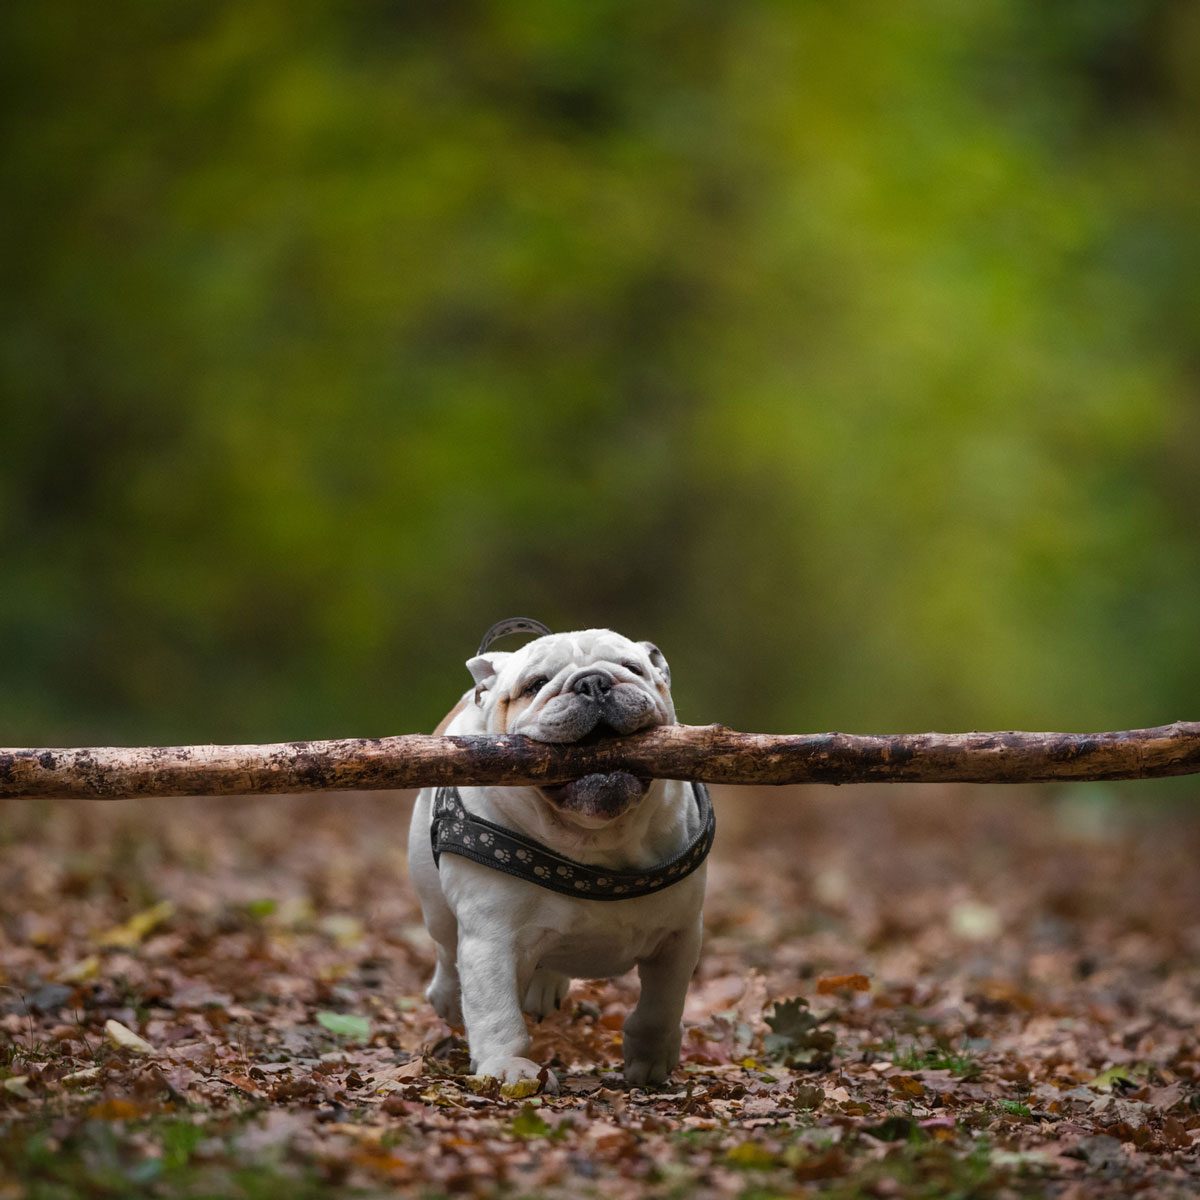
(455, 830)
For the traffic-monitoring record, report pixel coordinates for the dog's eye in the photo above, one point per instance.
(534, 686)
(634, 668)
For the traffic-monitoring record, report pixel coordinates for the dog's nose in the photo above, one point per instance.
(595, 685)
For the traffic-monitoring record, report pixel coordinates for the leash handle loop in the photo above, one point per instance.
(512, 625)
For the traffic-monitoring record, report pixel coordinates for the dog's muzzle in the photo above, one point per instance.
(595, 705)
(595, 697)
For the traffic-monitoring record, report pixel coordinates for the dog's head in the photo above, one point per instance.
(578, 687)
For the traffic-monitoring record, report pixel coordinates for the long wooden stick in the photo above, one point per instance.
(711, 753)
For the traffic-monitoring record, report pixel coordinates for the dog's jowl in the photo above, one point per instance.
(524, 888)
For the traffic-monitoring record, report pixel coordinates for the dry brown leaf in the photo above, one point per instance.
(244, 1083)
(829, 984)
(81, 1078)
(390, 1078)
(117, 1108)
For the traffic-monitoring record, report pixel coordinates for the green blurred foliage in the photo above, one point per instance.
(847, 351)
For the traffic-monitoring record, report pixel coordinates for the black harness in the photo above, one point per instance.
(455, 830)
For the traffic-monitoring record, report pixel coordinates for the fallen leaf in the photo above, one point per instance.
(244, 1083)
(935, 1123)
(1166, 1098)
(81, 1078)
(345, 1025)
(1116, 1075)
(391, 1078)
(974, 921)
(1175, 1134)
(483, 1085)
(294, 1089)
(752, 1155)
(605, 1136)
(80, 971)
(344, 929)
(126, 1039)
(1101, 1150)
(116, 1108)
(133, 931)
(824, 1164)
(529, 1123)
(894, 1128)
(748, 1010)
(796, 1036)
(828, 984)
(520, 1089)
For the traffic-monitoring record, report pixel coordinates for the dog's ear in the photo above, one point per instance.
(484, 668)
(657, 661)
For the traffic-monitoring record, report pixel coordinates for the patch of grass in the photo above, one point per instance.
(1016, 1108)
(179, 1139)
(917, 1169)
(529, 1123)
(697, 1138)
(143, 1160)
(938, 1057)
(922, 1169)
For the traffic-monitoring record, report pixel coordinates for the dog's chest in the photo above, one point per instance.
(587, 944)
(585, 939)
(590, 940)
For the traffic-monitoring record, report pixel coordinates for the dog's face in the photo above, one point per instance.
(578, 687)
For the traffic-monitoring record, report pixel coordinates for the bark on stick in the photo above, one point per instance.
(711, 753)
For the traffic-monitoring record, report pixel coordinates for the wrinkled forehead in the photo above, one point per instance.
(549, 655)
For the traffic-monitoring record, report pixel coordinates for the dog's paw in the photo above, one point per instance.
(446, 999)
(650, 1060)
(546, 992)
(516, 1070)
(655, 1069)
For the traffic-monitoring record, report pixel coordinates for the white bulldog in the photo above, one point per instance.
(506, 945)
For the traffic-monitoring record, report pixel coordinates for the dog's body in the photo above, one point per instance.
(506, 945)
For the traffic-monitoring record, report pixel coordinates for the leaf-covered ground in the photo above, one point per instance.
(904, 993)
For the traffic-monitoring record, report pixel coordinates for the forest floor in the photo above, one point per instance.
(1002, 994)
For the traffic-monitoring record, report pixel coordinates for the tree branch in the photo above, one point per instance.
(711, 753)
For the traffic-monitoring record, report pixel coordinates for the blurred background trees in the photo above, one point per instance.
(848, 352)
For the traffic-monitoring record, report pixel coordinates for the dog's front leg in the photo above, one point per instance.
(653, 1031)
(494, 974)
